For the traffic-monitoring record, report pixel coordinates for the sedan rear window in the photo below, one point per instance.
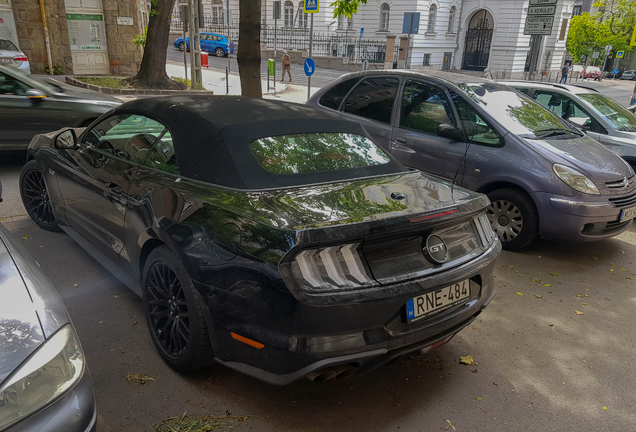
(313, 152)
(7, 45)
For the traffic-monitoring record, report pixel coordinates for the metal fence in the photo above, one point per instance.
(347, 45)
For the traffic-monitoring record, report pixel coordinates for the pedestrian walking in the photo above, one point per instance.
(286, 66)
(564, 74)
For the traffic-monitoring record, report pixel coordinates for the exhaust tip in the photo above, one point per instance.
(344, 371)
(321, 375)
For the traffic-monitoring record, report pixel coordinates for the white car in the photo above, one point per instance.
(629, 75)
(10, 55)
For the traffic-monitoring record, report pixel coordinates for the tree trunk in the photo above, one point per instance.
(152, 72)
(249, 49)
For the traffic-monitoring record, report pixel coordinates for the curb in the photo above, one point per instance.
(112, 91)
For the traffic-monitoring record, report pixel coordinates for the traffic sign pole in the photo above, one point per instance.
(311, 33)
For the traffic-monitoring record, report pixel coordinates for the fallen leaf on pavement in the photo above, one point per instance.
(26, 236)
(580, 295)
(578, 312)
(519, 293)
(538, 296)
(479, 398)
(553, 274)
(604, 407)
(141, 379)
(547, 285)
(449, 423)
(467, 360)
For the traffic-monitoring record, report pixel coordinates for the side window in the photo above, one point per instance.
(373, 99)
(567, 108)
(161, 156)
(552, 101)
(333, 97)
(525, 91)
(424, 108)
(12, 87)
(477, 129)
(127, 136)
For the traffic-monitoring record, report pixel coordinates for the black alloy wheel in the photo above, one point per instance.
(219, 52)
(35, 197)
(181, 46)
(514, 218)
(174, 313)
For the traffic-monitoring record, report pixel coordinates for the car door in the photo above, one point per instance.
(206, 43)
(95, 183)
(423, 108)
(371, 104)
(23, 116)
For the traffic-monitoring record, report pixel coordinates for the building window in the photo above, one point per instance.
(427, 60)
(345, 23)
(432, 17)
(451, 20)
(289, 14)
(384, 17)
(217, 11)
(302, 16)
(576, 10)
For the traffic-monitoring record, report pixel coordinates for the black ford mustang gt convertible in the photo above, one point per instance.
(275, 239)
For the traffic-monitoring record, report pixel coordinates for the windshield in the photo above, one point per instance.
(514, 111)
(302, 153)
(7, 45)
(611, 111)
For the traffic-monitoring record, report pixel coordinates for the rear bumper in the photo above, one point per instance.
(299, 340)
(578, 219)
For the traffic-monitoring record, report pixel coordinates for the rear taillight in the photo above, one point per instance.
(331, 268)
(21, 58)
(484, 230)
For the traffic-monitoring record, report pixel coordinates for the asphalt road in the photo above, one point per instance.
(539, 366)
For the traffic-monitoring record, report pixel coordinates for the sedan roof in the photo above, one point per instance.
(212, 133)
(574, 89)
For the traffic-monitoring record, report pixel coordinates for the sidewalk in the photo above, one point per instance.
(215, 80)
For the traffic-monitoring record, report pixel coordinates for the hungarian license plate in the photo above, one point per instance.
(6, 60)
(436, 301)
(628, 213)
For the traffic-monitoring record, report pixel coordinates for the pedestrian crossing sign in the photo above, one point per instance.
(310, 6)
(620, 54)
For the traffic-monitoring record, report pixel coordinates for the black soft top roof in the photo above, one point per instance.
(211, 136)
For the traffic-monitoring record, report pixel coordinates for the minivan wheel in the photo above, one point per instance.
(513, 216)
(174, 312)
(35, 197)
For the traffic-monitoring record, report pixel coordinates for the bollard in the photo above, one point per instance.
(204, 59)
(633, 96)
(227, 81)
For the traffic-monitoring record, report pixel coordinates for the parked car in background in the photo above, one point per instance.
(10, 55)
(593, 72)
(274, 238)
(543, 176)
(44, 382)
(575, 71)
(29, 106)
(629, 75)
(599, 116)
(210, 42)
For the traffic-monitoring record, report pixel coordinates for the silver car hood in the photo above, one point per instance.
(30, 310)
(584, 154)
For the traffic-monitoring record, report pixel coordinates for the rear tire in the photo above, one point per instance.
(181, 46)
(174, 314)
(514, 218)
(35, 197)
(219, 52)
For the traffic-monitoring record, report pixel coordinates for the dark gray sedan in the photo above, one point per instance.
(44, 382)
(543, 177)
(30, 106)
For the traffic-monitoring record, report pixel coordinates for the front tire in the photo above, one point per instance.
(35, 197)
(514, 218)
(181, 46)
(219, 52)
(174, 312)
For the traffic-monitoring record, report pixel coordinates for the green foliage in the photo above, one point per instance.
(346, 7)
(611, 25)
(154, 4)
(109, 82)
(140, 39)
(182, 80)
(57, 69)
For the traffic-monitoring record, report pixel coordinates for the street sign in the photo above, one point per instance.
(615, 71)
(411, 23)
(310, 6)
(608, 48)
(310, 66)
(538, 25)
(620, 54)
(595, 54)
(276, 10)
(541, 10)
(362, 32)
(542, 2)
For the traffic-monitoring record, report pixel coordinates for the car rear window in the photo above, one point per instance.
(612, 111)
(313, 152)
(7, 45)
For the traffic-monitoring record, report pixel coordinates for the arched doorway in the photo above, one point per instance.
(478, 40)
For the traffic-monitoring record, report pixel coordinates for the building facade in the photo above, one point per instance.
(85, 36)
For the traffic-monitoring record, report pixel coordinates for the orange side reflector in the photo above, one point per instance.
(245, 340)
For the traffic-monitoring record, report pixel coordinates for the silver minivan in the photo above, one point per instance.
(600, 117)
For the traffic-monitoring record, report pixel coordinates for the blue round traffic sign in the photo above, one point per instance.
(615, 71)
(310, 66)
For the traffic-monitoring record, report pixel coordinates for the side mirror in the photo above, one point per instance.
(449, 131)
(35, 94)
(65, 139)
